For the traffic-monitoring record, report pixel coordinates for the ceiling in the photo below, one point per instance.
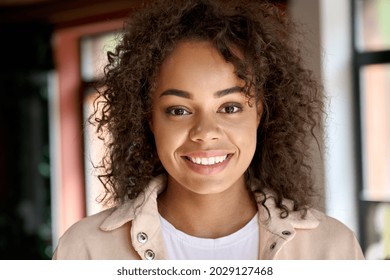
(21, 2)
(63, 12)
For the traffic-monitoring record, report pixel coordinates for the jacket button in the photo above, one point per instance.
(149, 255)
(142, 237)
(273, 245)
(286, 232)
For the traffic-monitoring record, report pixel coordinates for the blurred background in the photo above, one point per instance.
(52, 51)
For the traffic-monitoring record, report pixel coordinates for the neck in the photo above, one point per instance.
(207, 215)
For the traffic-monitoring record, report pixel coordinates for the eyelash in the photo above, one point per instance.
(182, 111)
(237, 108)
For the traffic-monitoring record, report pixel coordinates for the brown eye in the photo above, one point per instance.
(231, 109)
(177, 111)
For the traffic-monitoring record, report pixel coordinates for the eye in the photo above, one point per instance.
(231, 108)
(177, 111)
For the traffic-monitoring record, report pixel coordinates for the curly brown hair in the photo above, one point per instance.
(271, 66)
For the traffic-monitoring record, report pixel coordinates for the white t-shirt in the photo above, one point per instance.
(240, 245)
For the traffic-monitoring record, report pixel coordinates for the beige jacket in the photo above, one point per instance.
(132, 231)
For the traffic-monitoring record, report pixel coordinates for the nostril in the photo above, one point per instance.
(205, 134)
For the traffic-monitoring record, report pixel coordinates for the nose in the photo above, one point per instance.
(205, 128)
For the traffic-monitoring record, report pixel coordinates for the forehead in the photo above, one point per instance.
(195, 63)
(201, 49)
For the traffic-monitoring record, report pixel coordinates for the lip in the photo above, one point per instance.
(207, 169)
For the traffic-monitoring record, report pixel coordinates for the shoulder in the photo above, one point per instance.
(331, 227)
(312, 236)
(78, 239)
(331, 239)
(87, 225)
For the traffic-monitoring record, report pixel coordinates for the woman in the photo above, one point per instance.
(209, 114)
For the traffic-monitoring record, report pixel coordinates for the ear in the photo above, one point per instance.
(150, 122)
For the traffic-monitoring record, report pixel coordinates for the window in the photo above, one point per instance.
(93, 59)
(371, 43)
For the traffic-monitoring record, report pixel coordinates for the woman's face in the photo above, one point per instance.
(204, 125)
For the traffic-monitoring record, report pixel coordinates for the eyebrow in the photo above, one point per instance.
(188, 95)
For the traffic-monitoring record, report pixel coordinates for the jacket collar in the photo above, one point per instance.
(130, 209)
(145, 232)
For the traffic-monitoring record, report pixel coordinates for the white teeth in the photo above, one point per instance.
(208, 161)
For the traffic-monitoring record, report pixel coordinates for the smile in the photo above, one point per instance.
(208, 160)
(208, 163)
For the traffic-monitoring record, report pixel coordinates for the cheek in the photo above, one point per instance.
(244, 126)
(244, 134)
(168, 137)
